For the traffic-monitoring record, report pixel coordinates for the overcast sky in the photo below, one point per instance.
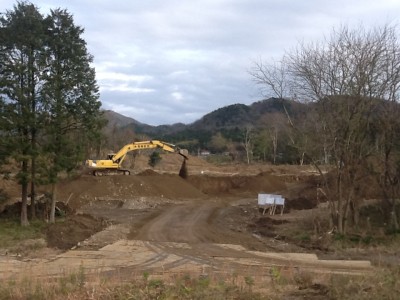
(170, 61)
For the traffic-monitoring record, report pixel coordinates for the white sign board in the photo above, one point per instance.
(265, 199)
(270, 202)
(279, 200)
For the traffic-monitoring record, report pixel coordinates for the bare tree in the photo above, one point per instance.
(276, 126)
(345, 76)
(248, 143)
(271, 78)
(387, 168)
(349, 76)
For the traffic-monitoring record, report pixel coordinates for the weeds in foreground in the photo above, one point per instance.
(77, 286)
(383, 285)
(295, 284)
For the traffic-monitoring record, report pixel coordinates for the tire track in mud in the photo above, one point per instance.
(180, 224)
(193, 224)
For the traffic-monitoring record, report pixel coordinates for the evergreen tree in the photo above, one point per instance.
(70, 95)
(21, 46)
(48, 97)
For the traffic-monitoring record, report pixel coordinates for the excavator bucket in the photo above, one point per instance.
(183, 172)
(184, 153)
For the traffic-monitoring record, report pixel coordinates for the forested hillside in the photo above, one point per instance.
(224, 130)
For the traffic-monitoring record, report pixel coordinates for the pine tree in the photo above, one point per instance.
(48, 97)
(70, 96)
(21, 46)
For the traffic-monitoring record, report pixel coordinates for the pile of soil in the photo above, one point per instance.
(171, 163)
(148, 172)
(147, 184)
(250, 185)
(74, 229)
(300, 203)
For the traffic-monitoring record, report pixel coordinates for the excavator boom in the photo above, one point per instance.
(113, 165)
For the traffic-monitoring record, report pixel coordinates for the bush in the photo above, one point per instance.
(154, 159)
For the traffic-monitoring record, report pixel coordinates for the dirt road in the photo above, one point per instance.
(201, 228)
(197, 236)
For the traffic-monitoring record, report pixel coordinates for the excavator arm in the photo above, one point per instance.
(115, 161)
(120, 155)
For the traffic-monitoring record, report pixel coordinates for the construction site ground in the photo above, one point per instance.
(209, 223)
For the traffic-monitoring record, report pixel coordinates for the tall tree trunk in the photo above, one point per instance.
(53, 203)
(274, 136)
(24, 196)
(31, 84)
(340, 208)
(33, 191)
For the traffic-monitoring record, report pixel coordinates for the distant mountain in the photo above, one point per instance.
(229, 120)
(225, 117)
(117, 120)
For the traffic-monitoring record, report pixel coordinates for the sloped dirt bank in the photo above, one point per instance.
(68, 233)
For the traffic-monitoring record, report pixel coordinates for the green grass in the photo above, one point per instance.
(12, 233)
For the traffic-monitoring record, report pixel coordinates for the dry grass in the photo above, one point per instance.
(283, 283)
(81, 286)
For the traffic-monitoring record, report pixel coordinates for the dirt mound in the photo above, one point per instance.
(11, 211)
(76, 228)
(147, 184)
(301, 203)
(252, 185)
(303, 194)
(148, 172)
(170, 163)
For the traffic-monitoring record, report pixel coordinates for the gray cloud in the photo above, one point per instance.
(162, 62)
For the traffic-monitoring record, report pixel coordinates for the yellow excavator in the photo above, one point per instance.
(113, 164)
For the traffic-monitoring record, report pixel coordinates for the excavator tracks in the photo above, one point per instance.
(111, 172)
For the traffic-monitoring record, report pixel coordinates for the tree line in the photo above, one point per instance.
(351, 83)
(49, 99)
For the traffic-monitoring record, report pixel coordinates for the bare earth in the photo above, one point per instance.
(159, 223)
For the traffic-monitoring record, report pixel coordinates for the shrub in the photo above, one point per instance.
(154, 159)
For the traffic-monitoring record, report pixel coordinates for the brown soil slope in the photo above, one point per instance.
(88, 188)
